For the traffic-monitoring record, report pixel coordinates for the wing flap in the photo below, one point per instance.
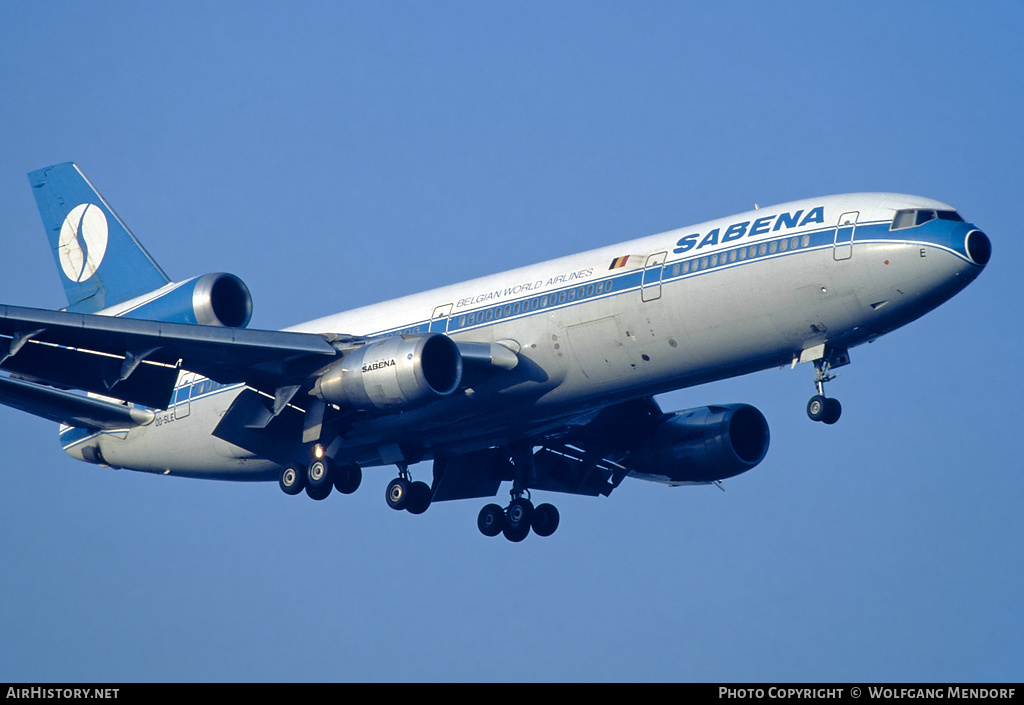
(68, 408)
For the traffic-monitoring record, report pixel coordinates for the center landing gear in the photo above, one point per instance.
(403, 493)
(820, 407)
(516, 520)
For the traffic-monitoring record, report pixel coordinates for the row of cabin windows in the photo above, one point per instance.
(743, 253)
(583, 292)
(534, 304)
(182, 393)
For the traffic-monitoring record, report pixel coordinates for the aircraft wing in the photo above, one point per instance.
(70, 408)
(138, 360)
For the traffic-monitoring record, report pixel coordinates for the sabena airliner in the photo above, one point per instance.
(542, 376)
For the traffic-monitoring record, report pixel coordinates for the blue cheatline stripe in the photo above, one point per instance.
(686, 268)
(72, 435)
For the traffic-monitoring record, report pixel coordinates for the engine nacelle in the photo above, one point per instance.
(393, 372)
(210, 300)
(705, 444)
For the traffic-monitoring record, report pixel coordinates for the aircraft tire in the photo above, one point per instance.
(347, 478)
(319, 493)
(419, 498)
(833, 410)
(515, 534)
(491, 520)
(816, 407)
(545, 519)
(320, 473)
(397, 495)
(520, 513)
(292, 479)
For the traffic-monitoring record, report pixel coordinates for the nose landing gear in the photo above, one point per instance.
(819, 407)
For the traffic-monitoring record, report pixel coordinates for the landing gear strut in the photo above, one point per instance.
(820, 407)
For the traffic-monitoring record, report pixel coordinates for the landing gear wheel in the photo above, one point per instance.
(398, 493)
(347, 478)
(319, 493)
(491, 520)
(545, 519)
(833, 410)
(816, 408)
(320, 474)
(515, 534)
(419, 498)
(292, 479)
(520, 513)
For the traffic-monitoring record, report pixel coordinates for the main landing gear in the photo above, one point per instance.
(516, 520)
(320, 477)
(820, 407)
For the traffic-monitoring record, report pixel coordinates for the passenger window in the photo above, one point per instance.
(783, 244)
(762, 249)
(773, 246)
(805, 241)
(732, 256)
(714, 260)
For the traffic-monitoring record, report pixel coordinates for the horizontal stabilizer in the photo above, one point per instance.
(69, 408)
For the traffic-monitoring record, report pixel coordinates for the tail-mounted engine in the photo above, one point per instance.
(703, 445)
(393, 372)
(210, 300)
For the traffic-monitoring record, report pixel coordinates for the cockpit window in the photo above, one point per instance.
(913, 217)
(903, 219)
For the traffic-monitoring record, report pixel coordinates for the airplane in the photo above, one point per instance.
(543, 376)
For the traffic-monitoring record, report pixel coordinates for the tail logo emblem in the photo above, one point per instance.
(83, 242)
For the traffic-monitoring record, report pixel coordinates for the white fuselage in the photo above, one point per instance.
(672, 310)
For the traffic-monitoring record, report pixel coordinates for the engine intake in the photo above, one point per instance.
(704, 444)
(393, 372)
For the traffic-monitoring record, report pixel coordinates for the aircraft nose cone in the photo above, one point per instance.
(979, 247)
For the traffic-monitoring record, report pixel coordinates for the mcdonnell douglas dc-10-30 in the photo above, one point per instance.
(542, 376)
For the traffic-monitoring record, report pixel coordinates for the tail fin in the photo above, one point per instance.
(100, 262)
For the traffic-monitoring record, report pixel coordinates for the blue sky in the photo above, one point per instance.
(338, 154)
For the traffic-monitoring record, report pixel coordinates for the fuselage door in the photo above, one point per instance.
(843, 248)
(650, 289)
(182, 406)
(439, 319)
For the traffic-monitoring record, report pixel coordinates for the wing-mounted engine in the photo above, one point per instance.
(702, 445)
(636, 438)
(210, 300)
(392, 373)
